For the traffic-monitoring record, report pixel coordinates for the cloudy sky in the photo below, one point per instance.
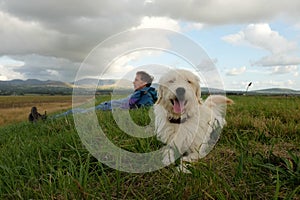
(255, 40)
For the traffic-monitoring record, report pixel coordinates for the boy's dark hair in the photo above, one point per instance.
(145, 77)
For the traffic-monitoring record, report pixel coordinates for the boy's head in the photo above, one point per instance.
(142, 79)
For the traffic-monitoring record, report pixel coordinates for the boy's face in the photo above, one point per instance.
(138, 83)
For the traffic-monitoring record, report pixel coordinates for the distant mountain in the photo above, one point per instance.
(93, 82)
(32, 82)
(269, 91)
(277, 91)
(34, 86)
(206, 90)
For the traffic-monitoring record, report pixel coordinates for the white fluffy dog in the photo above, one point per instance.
(188, 126)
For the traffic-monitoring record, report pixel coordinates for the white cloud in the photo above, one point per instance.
(45, 67)
(285, 69)
(17, 36)
(275, 83)
(194, 26)
(148, 2)
(236, 71)
(121, 66)
(9, 73)
(52, 72)
(9, 62)
(278, 59)
(235, 39)
(262, 36)
(9, 67)
(225, 12)
(159, 22)
(123, 52)
(47, 28)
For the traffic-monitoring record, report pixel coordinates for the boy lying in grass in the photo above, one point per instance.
(144, 96)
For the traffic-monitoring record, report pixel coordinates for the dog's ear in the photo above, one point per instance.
(198, 91)
(198, 95)
(159, 91)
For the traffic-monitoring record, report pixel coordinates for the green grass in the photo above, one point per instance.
(257, 157)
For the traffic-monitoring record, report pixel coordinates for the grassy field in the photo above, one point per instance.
(257, 157)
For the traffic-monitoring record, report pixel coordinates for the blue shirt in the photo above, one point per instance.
(144, 97)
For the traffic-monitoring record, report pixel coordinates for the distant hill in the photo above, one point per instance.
(93, 82)
(206, 90)
(269, 91)
(35, 86)
(278, 91)
(33, 82)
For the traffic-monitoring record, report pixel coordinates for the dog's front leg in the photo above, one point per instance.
(177, 147)
(168, 155)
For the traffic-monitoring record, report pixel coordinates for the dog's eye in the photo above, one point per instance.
(171, 81)
(190, 82)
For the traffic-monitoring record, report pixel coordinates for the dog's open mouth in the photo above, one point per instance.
(178, 105)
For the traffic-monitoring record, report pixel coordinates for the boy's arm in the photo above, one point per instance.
(135, 97)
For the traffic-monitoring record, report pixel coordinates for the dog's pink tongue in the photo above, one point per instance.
(178, 106)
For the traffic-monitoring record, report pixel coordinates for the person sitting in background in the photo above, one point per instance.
(34, 115)
(143, 96)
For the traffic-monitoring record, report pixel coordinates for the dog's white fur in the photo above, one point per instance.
(187, 125)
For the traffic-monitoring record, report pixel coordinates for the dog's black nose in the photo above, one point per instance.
(180, 93)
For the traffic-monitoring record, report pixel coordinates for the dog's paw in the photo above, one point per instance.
(168, 156)
(183, 169)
